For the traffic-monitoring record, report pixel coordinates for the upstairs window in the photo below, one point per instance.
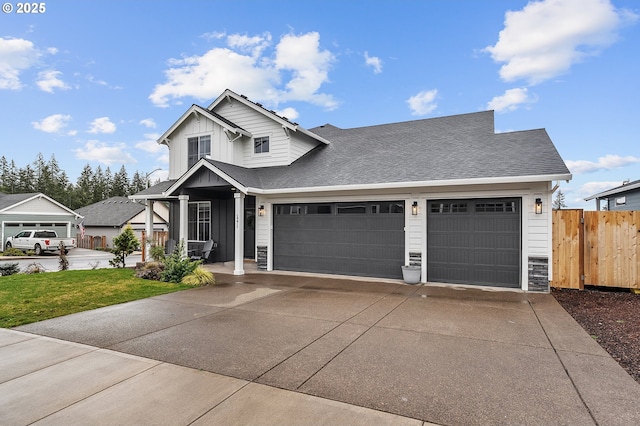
(199, 147)
(261, 145)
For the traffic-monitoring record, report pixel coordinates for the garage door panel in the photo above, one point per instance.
(474, 241)
(367, 242)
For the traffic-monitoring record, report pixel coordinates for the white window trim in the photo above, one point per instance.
(261, 154)
(208, 203)
(199, 136)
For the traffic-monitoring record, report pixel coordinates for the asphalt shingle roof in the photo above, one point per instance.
(446, 148)
(114, 211)
(7, 200)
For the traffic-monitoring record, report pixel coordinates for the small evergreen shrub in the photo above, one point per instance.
(199, 277)
(177, 266)
(123, 245)
(7, 269)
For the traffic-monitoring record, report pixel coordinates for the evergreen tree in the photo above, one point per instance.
(100, 186)
(123, 245)
(26, 180)
(84, 188)
(4, 174)
(137, 183)
(558, 201)
(12, 178)
(120, 183)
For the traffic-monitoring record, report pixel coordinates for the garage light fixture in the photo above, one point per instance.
(261, 210)
(414, 208)
(538, 205)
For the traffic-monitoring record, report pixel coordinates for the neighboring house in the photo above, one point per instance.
(445, 193)
(35, 210)
(109, 217)
(623, 197)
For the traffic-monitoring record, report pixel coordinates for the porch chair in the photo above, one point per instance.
(207, 251)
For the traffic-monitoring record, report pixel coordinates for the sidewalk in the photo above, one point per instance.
(289, 349)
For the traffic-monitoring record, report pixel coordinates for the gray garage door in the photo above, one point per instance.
(362, 238)
(474, 241)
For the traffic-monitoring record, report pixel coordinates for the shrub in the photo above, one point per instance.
(123, 245)
(157, 253)
(150, 271)
(199, 277)
(177, 266)
(13, 252)
(7, 269)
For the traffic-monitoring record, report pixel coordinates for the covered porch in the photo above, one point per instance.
(204, 206)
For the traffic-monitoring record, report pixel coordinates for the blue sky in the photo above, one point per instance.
(96, 82)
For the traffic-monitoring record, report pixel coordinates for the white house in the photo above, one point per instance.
(20, 212)
(469, 205)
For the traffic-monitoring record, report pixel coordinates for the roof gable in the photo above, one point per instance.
(114, 211)
(196, 110)
(18, 203)
(231, 96)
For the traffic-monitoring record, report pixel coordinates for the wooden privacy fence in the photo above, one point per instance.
(596, 248)
(91, 241)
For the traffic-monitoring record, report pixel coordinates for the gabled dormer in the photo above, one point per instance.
(237, 131)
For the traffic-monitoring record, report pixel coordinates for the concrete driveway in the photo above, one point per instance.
(373, 352)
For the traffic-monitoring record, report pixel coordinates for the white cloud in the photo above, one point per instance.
(374, 62)
(102, 125)
(148, 122)
(16, 55)
(48, 81)
(259, 75)
(215, 35)
(608, 162)
(290, 113)
(254, 45)
(52, 124)
(104, 153)
(150, 144)
(423, 103)
(511, 100)
(545, 38)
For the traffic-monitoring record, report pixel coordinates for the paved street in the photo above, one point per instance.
(78, 259)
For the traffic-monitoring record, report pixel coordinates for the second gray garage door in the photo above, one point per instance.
(360, 238)
(476, 241)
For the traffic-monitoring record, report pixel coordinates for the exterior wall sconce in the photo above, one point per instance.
(414, 208)
(538, 205)
(261, 210)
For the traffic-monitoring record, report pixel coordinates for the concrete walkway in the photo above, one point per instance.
(273, 349)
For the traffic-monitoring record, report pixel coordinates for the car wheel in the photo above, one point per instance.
(8, 245)
(37, 250)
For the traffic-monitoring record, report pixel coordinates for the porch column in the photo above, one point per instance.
(239, 233)
(148, 226)
(184, 222)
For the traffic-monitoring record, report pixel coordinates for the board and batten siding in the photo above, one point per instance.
(221, 148)
(283, 148)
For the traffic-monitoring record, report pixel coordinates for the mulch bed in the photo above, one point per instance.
(611, 317)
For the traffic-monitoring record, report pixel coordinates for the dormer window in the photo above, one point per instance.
(261, 145)
(199, 147)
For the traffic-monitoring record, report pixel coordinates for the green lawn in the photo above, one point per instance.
(28, 298)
